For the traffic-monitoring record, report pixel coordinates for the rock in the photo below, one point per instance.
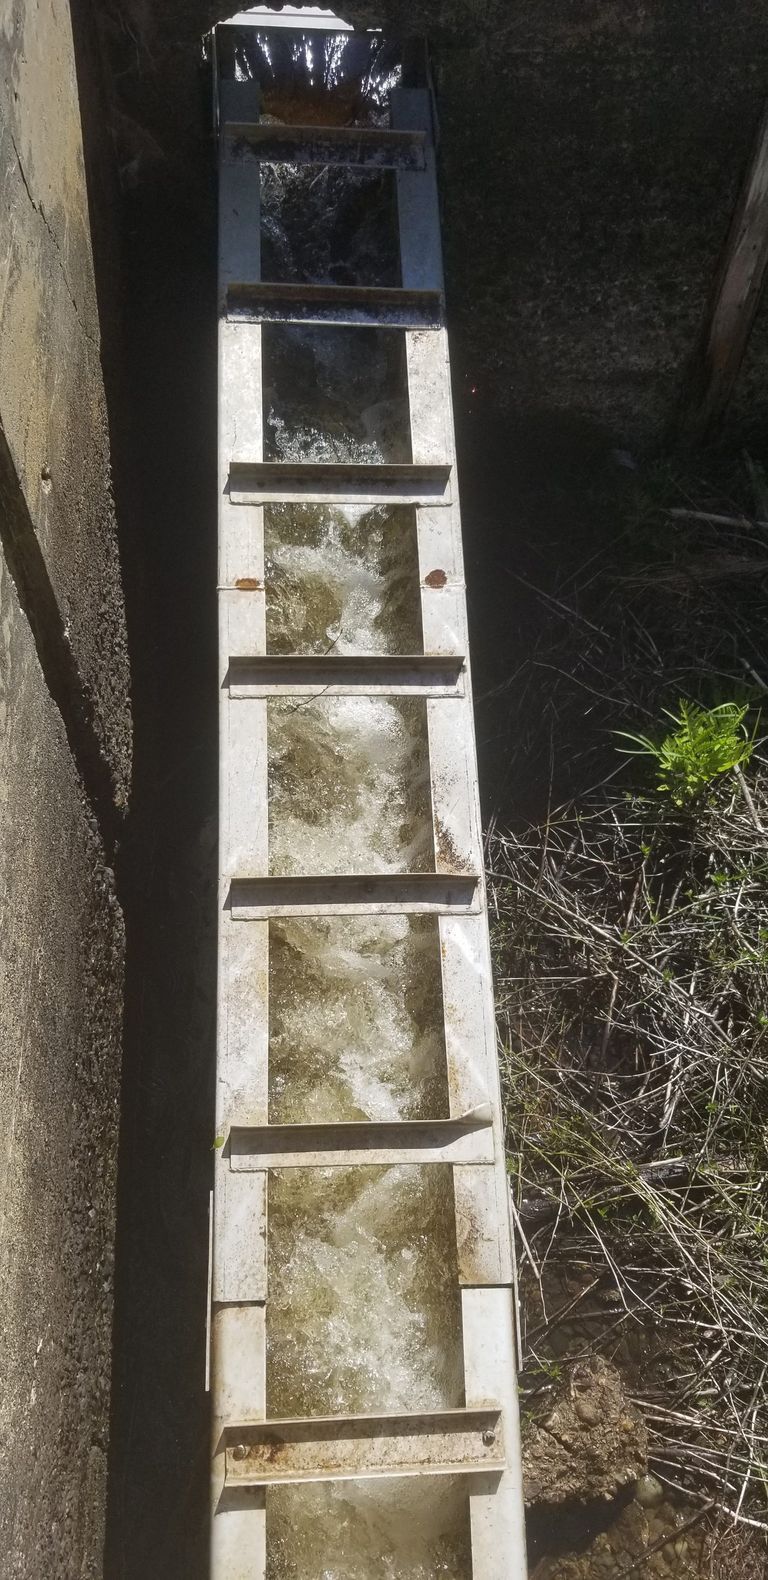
(649, 1492)
(590, 1443)
(587, 1412)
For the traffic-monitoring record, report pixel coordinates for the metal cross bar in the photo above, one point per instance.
(388, 307)
(468, 1139)
(373, 674)
(445, 1442)
(327, 145)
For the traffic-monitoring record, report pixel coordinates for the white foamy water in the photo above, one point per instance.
(355, 1019)
(348, 785)
(363, 1311)
(414, 1529)
(335, 394)
(342, 580)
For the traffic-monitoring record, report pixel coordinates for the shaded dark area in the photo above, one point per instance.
(28, 568)
(165, 478)
(571, 1526)
(541, 496)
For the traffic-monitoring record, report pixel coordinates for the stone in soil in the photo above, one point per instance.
(590, 1443)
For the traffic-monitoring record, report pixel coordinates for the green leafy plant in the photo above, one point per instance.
(705, 743)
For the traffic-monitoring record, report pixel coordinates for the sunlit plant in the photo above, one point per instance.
(704, 744)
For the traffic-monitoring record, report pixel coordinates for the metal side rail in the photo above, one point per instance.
(479, 1442)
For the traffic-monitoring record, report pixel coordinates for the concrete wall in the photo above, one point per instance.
(52, 406)
(64, 778)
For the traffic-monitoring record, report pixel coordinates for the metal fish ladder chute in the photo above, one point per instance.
(431, 899)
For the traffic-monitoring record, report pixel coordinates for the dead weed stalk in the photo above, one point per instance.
(631, 945)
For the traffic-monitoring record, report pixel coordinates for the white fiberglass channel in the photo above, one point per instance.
(349, 785)
(356, 1020)
(342, 580)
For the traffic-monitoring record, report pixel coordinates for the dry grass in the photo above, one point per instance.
(631, 945)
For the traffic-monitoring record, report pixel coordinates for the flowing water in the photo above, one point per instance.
(416, 1529)
(348, 776)
(335, 394)
(363, 1311)
(363, 1315)
(336, 225)
(355, 1020)
(306, 77)
(342, 580)
(349, 788)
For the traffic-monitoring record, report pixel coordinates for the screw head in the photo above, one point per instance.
(488, 1438)
(239, 1451)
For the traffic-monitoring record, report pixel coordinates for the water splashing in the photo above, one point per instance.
(364, 1315)
(349, 787)
(363, 1530)
(355, 1020)
(335, 394)
(363, 1310)
(342, 579)
(306, 77)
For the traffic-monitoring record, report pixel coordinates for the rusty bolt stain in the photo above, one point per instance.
(248, 583)
(436, 578)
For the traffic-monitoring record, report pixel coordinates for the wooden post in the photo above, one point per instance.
(732, 305)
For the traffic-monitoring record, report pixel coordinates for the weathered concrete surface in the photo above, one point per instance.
(60, 990)
(64, 776)
(52, 406)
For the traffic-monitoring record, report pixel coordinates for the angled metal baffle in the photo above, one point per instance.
(480, 1441)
